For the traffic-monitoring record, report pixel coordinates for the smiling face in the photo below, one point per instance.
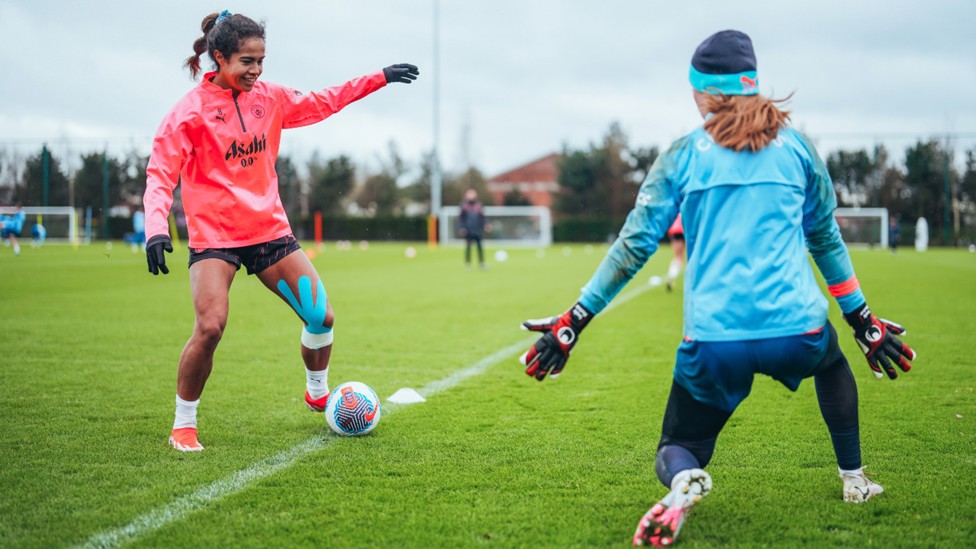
(241, 70)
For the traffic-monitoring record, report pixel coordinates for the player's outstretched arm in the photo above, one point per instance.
(403, 73)
(559, 334)
(876, 337)
(154, 253)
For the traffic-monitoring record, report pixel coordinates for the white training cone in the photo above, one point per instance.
(406, 395)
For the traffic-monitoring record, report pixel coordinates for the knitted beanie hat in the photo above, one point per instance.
(725, 63)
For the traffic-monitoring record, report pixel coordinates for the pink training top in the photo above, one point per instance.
(676, 227)
(223, 149)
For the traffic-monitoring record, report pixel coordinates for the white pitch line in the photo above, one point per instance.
(181, 507)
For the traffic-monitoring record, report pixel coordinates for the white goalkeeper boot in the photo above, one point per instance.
(660, 525)
(858, 488)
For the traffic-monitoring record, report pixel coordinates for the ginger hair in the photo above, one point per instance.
(741, 122)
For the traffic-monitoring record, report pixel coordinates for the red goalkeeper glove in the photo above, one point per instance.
(876, 337)
(548, 356)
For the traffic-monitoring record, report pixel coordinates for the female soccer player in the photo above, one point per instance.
(751, 192)
(676, 234)
(221, 140)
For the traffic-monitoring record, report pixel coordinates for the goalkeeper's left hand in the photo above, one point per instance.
(549, 355)
(403, 73)
(876, 337)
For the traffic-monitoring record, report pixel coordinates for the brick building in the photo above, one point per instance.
(537, 180)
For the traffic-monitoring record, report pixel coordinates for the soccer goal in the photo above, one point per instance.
(60, 223)
(863, 226)
(505, 225)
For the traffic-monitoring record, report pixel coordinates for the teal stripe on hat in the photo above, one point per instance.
(743, 83)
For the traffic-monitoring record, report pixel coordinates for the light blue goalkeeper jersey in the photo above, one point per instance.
(749, 219)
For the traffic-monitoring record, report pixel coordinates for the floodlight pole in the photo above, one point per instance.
(45, 172)
(105, 202)
(435, 176)
(948, 195)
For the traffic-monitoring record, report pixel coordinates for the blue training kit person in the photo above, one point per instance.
(754, 197)
(139, 228)
(13, 225)
(38, 234)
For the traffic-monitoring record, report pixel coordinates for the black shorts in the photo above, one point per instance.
(255, 258)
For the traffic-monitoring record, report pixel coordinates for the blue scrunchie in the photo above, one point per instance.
(223, 15)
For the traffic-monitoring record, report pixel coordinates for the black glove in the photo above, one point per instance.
(401, 72)
(549, 354)
(154, 253)
(876, 337)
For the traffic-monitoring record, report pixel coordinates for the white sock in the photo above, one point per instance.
(674, 269)
(858, 471)
(186, 413)
(317, 383)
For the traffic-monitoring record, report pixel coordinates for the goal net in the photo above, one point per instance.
(505, 225)
(863, 226)
(60, 223)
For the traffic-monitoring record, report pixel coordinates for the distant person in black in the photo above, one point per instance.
(893, 230)
(472, 226)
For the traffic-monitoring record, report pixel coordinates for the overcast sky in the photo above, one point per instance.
(518, 78)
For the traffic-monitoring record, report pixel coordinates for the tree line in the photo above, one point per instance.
(603, 180)
(334, 186)
(599, 181)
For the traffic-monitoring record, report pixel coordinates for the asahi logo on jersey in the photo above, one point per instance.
(237, 150)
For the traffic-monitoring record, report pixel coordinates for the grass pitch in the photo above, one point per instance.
(89, 344)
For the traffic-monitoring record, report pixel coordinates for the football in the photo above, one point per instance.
(353, 409)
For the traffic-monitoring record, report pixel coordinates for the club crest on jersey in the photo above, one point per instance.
(244, 149)
(257, 111)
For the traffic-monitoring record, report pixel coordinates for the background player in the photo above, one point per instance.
(12, 226)
(38, 235)
(138, 230)
(676, 234)
(221, 140)
(472, 226)
(752, 191)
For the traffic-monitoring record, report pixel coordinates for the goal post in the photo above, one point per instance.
(60, 223)
(863, 226)
(506, 225)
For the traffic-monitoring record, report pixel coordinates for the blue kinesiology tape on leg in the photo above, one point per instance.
(312, 310)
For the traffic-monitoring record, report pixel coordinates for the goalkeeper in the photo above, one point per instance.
(754, 197)
(220, 143)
